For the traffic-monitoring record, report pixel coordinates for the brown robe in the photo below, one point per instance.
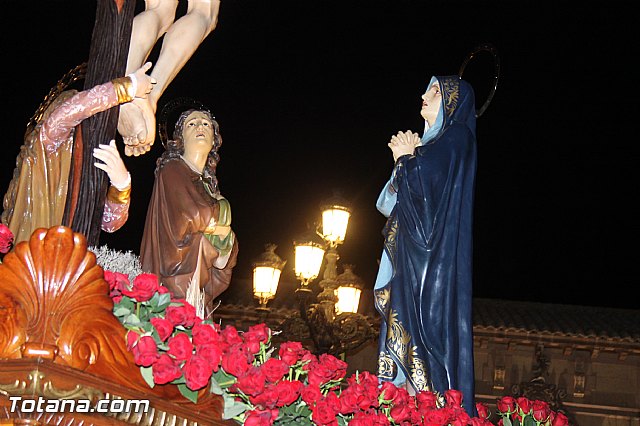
(173, 242)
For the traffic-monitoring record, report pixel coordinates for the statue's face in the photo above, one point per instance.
(431, 103)
(198, 131)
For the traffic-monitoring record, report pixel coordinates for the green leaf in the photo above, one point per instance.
(121, 311)
(191, 395)
(298, 421)
(215, 387)
(299, 416)
(164, 300)
(147, 375)
(223, 379)
(506, 421)
(126, 302)
(233, 408)
(179, 381)
(132, 319)
(529, 421)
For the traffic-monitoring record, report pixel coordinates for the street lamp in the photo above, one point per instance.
(335, 219)
(331, 317)
(266, 275)
(308, 254)
(349, 291)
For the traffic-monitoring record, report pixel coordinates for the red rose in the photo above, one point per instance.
(132, 339)
(541, 411)
(350, 398)
(212, 353)
(274, 369)
(476, 421)
(402, 398)
(436, 417)
(6, 238)
(165, 370)
(180, 347)
(506, 405)
(415, 417)
(400, 413)
(288, 391)
(184, 314)
(252, 343)
(524, 404)
(267, 398)
(364, 377)
(323, 414)
(559, 420)
(332, 399)
(362, 418)
(307, 358)
(144, 287)
(459, 417)
(162, 289)
(117, 281)
(117, 284)
(426, 400)
(326, 369)
(252, 382)
(261, 417)
(163, 327)
(291, 352)
(483, 410)
(237, 361)
(204, 333)
(259, 332)
(453, 397)
(310, 394)
(388, 391)
(231, 336)
(197, 372)
(145, 351)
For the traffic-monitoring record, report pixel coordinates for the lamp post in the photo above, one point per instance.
(330, 318)
(266, 275)
(332, 331)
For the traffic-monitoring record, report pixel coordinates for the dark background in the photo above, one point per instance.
(308, 93)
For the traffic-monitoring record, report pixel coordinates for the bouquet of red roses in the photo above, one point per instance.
(262, 386)
(524, 412)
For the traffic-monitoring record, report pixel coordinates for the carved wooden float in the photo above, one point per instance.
(60, 340)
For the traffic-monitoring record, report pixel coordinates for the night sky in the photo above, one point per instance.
(308, 93)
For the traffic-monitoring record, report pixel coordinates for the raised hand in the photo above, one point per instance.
(403, 143)
(112, 164)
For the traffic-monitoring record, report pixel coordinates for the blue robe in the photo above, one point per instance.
(424, 289)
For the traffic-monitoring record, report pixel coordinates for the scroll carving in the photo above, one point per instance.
(55, 304)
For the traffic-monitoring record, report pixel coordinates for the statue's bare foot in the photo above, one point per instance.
(136, 125)
(131, 126)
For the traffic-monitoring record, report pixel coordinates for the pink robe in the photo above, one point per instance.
(37, 195)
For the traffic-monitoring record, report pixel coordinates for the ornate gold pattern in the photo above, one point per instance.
(390, 243)
(124, 89)
(398, 341)
(36, 386)
(452, 94)
(117, 196)
(386, 367)
(382, 297)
